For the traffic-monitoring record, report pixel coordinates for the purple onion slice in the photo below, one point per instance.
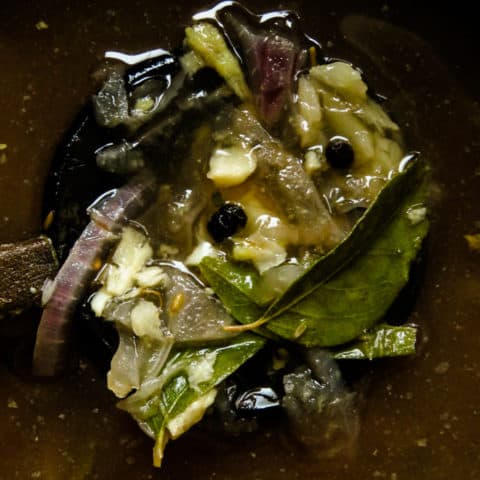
(108, 215)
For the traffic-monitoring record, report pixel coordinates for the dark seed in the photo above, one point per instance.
(226, 221)
(339, 152)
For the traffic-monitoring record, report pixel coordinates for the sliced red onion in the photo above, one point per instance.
(108, 215)
(272, 60)
(113, 209)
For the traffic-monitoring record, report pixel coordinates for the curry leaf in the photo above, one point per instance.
(348, 290)
(238, 287)
(366, 230)
(338, 307)
(243, 276)
(179, 400)
(382, 341)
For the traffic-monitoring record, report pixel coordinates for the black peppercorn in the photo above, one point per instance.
(339, 152)
(226, 221)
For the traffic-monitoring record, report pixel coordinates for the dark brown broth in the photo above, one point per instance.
(421, 415)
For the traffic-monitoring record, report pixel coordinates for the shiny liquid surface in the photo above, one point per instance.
(420, 416)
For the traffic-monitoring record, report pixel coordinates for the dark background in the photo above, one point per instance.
(420, 417)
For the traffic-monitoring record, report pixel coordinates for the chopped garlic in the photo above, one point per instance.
(118, 280)
(201, 371)
(315, 161)
(308, 102)
(133, 249)
(416, 214)
(268, 234)
(151, 277)
(202, 250)
(100, 301)
(130, 256)
(343, 79)
(263, 252)
(191, 415)
(145, 317)
(165, 250)
(374, 115)
(345, 123)
(388, 153)
(309, 112)
(231, 166)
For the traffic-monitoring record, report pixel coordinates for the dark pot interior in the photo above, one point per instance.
(420, 416)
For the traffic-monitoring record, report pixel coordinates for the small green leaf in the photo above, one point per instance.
(382, 341)
(175, 394)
